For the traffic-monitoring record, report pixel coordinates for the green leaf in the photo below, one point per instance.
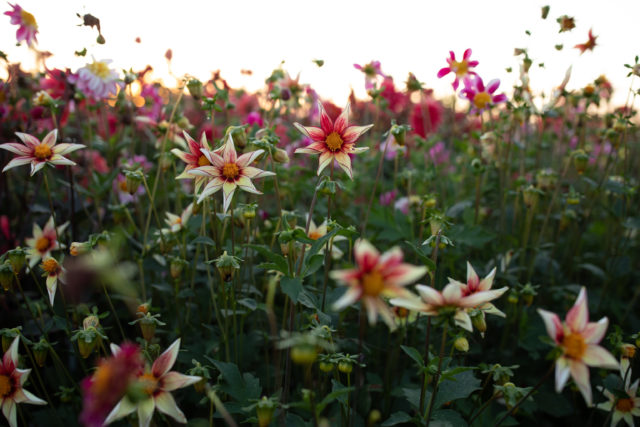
(278, 261)
(240, 387)
(318, 244)
(425, 258)
(291, 286)
(397, 418)
(414, 354)
(313, 264)
(474, 236)
(448, 418)
(458, 387)
(338, 390)
(204, 240)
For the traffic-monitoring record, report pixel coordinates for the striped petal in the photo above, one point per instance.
(594, 355)
(345, 163)
(352, 133)
(562, 373)
(594, 331)
(67, 148)
(36, 166)
(578, 315)
(145, 412)
(245, 184)
(228, 189)
(580, 375)
(175, 380)
(57, 159)
(19, 149)
(348, 298)
(325, 159)
(29, 140)
(430, 295)
(247, 158)
(313, 148)
(553, 324)
(17, 161)
(316, 134)
(325, 121)
(9, 411)
(51, 138)
(166, 360)
(342, 122)
(121, 410)
(366, 255)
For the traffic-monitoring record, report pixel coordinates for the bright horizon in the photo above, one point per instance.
(408, 37)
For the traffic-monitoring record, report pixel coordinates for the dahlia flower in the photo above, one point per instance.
(39, 153)
(481, 97)
(578, 339)
(43, 241)
(156, 383)
(229, 172)
(333, 141)
(588, 45)
(461, 69)
(475, 285)
(53, 271)
(11, 382)
(27, 25)
(177, 223)
(194, 158)
(376, 276)
(624, 407)
(317, 231)
(97, 80)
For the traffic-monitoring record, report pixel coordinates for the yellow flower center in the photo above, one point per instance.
(460, 68)
(5, 385)
(42, 152)
(28, 19)
(574, 346)
(149, 383)
(624, 405)
(230, 170)
(203, 161)
(50, 265)
(372, 283)
(314, 235)
(99, 69)
(481, 100)
(334, 141)
(42, 244)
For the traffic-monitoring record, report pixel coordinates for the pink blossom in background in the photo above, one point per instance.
(461, 69)
(254, 118)
(96, 80)
(387, 198)
(371, 71)
(27, 25)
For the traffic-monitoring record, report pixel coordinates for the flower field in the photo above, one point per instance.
(210, 255)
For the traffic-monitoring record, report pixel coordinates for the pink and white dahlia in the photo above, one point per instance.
(481, 97)
(228, 172)
(194, 158)
(27, 25)
(461, 69)
(37, 153)
(43, 241)
(475, 285)
(157, 384)
(11, 381)
(578, 339)
(333, 141)
(376, 276)
(96, 80)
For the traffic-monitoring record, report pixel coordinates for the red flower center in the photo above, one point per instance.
(624, 405)
(372, 283)
(42, 152)
(230, 170)
(481, 100)
(203, 161)
(42, 244)
(574, 346)
(334, 141)
(5, 385)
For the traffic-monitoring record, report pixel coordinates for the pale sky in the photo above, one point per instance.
(404, 35)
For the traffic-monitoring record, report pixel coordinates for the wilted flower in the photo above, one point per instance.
(97, 80)
(461, 69)
(43, 241)
(333, 141)
(588, 45)
(481, 97)
(27, 25)
(578, 338)
(376, 276)
(11, 381)
(228, 172)
(567, 23)
(156, 384)
(39, 153)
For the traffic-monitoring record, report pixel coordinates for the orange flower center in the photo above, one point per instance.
(28, 19)
(42, 152)
(314, 235)
(123, 186)
(99, 69)
(460, 68)
(149, 383)
(42, 244)
(624, 405)
(574, 346)
(481, 100)
(372, 283)
(203, 161)
(102, 378)
(334, 141)
(230, 170)
(51, 266)
(5, 385)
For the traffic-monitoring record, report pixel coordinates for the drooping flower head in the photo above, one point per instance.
(333, 141)
(27, 25)
(227, 172)
(11, 381)
(578, 339)
(588, 45)
(37, 153)
(44, 241)
(53, 271)
(194, 158)
(96, 80)
(175, 222)
(376, 276)
(156, 383)
(109, 382)
(481, 97)
(461, 69)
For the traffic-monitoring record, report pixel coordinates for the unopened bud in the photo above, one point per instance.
(461, 344)
(580, 161)
(195, 88)
(478, 321)
(79, 248)
(6, 276)
(17, 259)
(264, 411)
(280, 156)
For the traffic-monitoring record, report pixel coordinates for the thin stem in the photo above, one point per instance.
(436, 379)
(373, 190)
(526, 396)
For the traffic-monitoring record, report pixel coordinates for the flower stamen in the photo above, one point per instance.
(334, 141)
(51, 266)
(42, 152)
(5, 386)
(42, 244)
(372, 283)
(230, 170)
(203, 161)
(481, 100)
(625, 405)
(149, 383)
(574, 346)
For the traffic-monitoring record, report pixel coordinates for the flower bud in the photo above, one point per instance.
(461, 344)
(227, 266)
(530, 195)
(6, 276)
(345, 367)
(264, 411)
(86, 344)
(280, 156)
(133, 179)
(176, 267)
(148, 328)
(91, 321)
(628, 350)
(326, 367)
(43, 99)
(374, 417)
(17, 258)
(477, 167)
(580, 160)
(399, 133)
(545, 11)
(546, 179)
(100, 39)
(478, 321)
(79, 248)
(195, 88)
(304, 354)
(239, 136)
(40, 351)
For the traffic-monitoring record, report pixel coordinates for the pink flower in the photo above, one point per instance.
(371, 71)
(156, 384)
(27, 25)
(376, 276)
(474, 285)
(11, 381)
(481, 97)
(253, 118)
(97, 80)
(387, 198)
(333, 141)
(439, 154)
(578, 339)
(39, 153)
(426, 116)
(461, 69)
(44, 241)
(194, 158)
